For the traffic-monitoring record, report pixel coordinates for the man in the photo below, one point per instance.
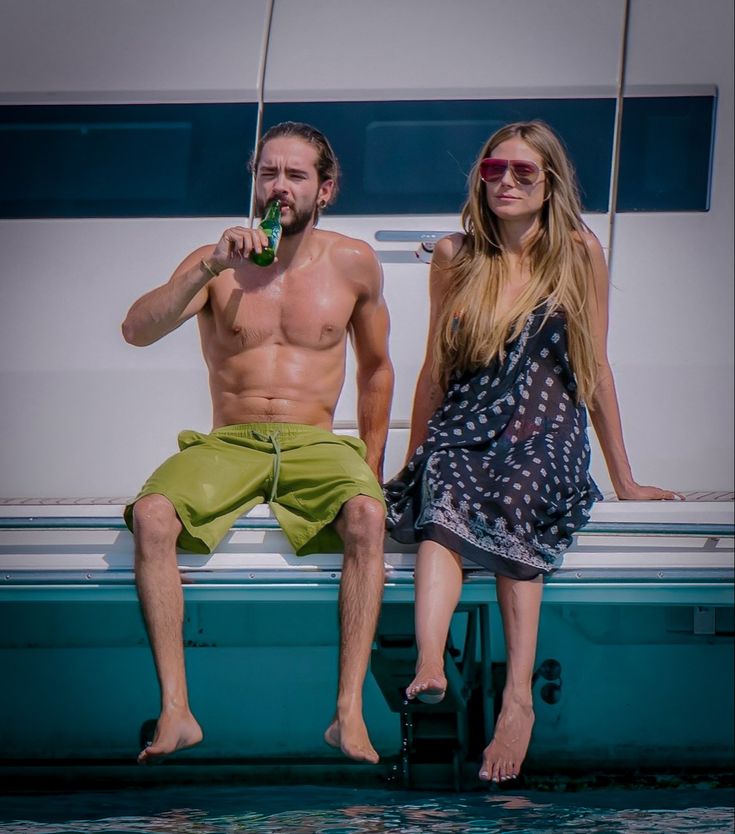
(274, 340)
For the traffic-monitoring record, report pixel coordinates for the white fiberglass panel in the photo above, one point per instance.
(80, 51)
(341, 50)
(671, 339)
(673, 272)
(85, 413)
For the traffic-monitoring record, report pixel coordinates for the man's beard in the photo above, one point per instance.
(298, 221)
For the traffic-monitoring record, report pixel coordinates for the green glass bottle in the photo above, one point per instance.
(271, 225)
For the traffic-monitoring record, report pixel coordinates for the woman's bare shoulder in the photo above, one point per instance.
(447, 247)
(589, 239)
(445, 252)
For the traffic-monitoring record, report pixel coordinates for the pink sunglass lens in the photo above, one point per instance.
(492, 170)
(525, 172)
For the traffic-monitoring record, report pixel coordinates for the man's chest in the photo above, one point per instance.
(307, 315)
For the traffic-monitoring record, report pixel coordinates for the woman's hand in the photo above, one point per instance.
(636, 492)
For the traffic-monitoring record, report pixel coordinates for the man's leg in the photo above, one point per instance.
(159, 591)
(438, 587)
(520, 606)
(361, 524)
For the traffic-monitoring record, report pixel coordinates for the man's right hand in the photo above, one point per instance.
(235, 246)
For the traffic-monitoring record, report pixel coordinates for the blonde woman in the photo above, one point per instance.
(498, 463)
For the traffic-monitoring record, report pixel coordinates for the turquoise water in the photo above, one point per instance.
(313, 810)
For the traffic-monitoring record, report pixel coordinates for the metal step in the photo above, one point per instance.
(451, 733)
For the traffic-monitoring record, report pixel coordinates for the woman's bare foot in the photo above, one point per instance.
(175, 730)
(349, 734)
(429, 685)
(503, 757)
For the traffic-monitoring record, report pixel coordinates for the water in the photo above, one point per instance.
(313, 810)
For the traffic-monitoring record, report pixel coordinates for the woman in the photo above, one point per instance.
(499, 473)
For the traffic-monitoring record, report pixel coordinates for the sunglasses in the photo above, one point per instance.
(524, 172)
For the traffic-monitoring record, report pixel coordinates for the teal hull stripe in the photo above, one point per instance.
(616, 528)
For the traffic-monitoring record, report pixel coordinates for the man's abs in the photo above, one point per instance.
(230, 411)
(277, 384)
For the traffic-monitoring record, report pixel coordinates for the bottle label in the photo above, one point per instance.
(274, 238)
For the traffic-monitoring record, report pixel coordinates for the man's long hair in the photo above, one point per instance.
(327, 165)
(471, 331)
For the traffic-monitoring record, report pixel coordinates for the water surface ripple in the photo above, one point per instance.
(319, 810)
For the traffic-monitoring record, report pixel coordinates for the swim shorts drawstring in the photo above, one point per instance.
(273, 438)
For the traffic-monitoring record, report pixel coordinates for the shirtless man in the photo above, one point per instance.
(274, 340)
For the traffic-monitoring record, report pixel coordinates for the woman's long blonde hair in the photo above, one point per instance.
(471, 333)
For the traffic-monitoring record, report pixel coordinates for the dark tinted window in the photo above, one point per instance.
(407, 157)
(666, 154)
(413, 157)
(125, 160)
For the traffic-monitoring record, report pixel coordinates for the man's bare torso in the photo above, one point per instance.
(274, 341)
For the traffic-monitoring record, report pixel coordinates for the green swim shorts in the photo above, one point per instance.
(303, 472)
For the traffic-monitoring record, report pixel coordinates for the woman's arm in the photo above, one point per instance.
(429, 388)
(604, 408)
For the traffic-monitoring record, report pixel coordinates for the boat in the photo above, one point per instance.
(127, 147)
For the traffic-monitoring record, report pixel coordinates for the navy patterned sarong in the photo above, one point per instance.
(503, 476)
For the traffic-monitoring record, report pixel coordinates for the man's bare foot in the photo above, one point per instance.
(351, 737)
(176, 729)
(429, 685)
(503, 757)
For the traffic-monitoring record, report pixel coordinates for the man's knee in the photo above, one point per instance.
(363, 519)
(154, 517)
